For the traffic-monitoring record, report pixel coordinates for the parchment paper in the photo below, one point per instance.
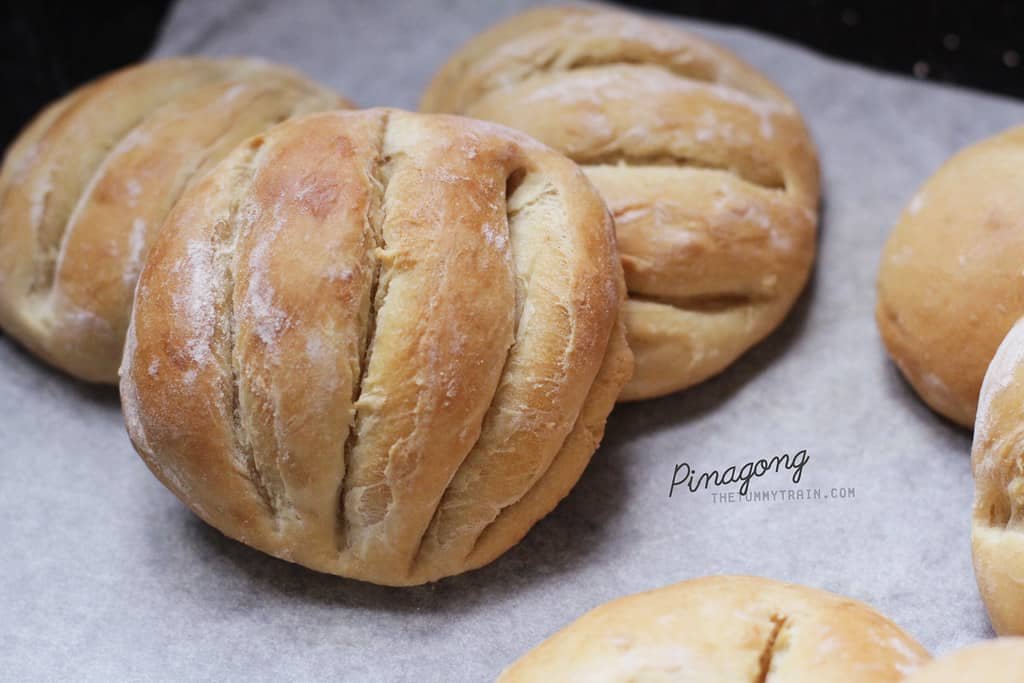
(107, 576)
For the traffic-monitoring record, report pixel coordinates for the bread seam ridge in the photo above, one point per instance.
(610, 366)
(705, 303)
(240, 439)
(668, 160)
(568, 434)
(375, 224)
(519, 306)
(775, 180)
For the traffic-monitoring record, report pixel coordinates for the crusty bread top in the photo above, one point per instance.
(707, 168)
(951, 282)
(998, 464)
(377, 343)
(561, 39)
(725, 628)
(87, 184)
(994, 661)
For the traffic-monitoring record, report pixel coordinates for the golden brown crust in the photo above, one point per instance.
(994, 661)
(725, 628)
(951, 283)
(378, 344)
(707, 168)
(997, 535)
(86, 186)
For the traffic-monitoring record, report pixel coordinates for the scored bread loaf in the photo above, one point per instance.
(951, 282)
(725, 628)
(997, 457)
(87, 184)
(994, 661)
(378, 344)
(707, 167)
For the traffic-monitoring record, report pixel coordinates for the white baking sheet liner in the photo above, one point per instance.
(105, 575)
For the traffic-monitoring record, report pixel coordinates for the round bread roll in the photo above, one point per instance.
(378, 344)
(951, 282)
(994, 661)
(998, 463)
(87, 184)
(722, 629)
(707, 167)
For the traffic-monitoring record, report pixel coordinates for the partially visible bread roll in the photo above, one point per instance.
(951, 282)
(86, 186)
(998, 462)
(995, 661)
(378, 344)
(724, 629)
(706, 165)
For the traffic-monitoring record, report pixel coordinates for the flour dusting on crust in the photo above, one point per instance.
(258, 305)
(196, 305)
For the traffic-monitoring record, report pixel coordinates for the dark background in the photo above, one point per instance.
(49, 46)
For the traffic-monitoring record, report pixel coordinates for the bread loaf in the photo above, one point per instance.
(378, 344)
(723, 629)
(998, 464)
(87, 184)
(707, 167)
(951, 282)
